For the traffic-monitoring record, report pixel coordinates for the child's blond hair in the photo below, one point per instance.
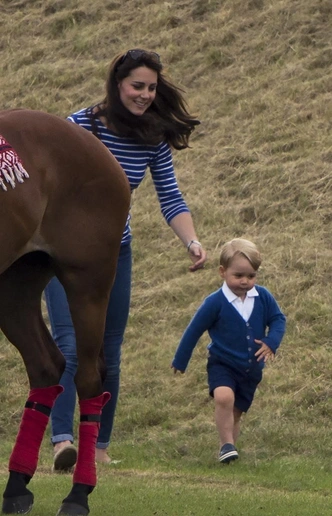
(240, 246)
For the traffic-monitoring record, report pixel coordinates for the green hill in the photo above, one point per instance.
(258, 75)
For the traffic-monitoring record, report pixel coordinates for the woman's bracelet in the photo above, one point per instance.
(193, 242)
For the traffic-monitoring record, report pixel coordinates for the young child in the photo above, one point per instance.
(237, 317)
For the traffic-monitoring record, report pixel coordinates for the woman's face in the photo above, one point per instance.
(138, 90)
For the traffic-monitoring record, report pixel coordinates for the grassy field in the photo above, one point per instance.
(258, 75)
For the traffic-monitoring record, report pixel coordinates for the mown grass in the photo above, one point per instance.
(257, 73)
(138, 486)
(141, 485)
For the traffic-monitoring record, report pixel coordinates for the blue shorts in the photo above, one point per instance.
(243, 385)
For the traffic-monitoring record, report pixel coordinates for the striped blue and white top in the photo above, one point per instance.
(135, 158)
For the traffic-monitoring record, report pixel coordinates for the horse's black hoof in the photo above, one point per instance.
(17, 504)
(72, 509)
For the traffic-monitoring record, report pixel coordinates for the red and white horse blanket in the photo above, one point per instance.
(11, 167)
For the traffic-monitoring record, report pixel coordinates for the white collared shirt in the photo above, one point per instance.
(244, 307)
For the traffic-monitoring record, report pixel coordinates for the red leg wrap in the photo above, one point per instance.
(25, 454)
(85, 469)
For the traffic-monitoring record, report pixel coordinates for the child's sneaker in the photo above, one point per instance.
(228, 453)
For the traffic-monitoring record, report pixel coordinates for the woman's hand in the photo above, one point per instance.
(197, 255)
(183, 226)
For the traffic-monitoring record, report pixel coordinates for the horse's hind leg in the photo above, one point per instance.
(88, 294)
(21, 321)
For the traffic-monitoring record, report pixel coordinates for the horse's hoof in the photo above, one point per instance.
(17, 504)
(72, 509)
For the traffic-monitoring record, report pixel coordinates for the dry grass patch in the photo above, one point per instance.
(257, 75)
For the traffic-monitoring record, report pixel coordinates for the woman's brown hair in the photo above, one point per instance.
(167, 119)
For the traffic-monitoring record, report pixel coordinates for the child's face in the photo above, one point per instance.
(240, 276)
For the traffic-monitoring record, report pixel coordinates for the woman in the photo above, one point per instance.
(141, 118)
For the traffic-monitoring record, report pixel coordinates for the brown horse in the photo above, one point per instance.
(64, 200)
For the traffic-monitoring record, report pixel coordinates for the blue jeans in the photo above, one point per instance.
(62, 416)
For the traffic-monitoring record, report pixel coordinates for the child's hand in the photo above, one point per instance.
(176, 370)
(264, 353)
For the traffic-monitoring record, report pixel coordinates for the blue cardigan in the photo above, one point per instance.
(232, 338)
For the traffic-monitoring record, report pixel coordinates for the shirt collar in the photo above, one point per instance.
(230, 296)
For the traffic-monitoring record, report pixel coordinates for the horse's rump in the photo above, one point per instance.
(73, 181)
